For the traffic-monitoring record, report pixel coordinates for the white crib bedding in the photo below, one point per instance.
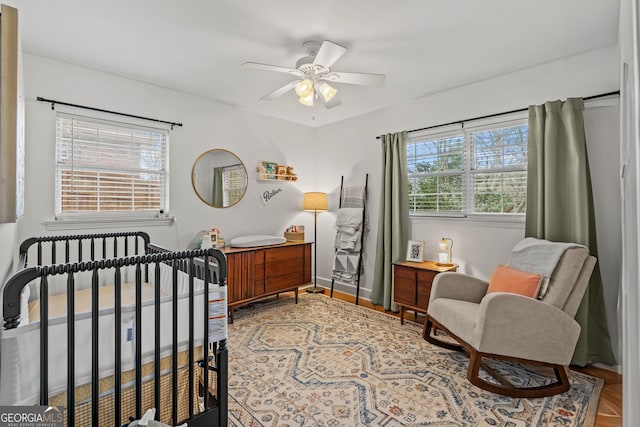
(19, 360)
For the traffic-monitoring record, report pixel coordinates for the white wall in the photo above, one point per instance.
(207, 125)
(8, 237)
(479, 246)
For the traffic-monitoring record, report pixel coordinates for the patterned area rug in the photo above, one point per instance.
(325, 362)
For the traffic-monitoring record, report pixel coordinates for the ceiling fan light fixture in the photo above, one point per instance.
(307, 100)
(304, 88)
(313, 74)
(327, 91)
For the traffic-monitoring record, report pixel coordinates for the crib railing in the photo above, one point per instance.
(199, 264)
(100, 246)
(204, 264)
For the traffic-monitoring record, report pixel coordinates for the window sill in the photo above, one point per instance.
(79, 224)
(498, 221)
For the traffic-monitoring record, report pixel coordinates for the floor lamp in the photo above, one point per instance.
(315, 202)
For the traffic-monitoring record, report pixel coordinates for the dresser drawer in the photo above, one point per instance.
(404, 291)
(275, 269)
(260, 257)
(285, 281)
(281, 254)
(426, 277)
(423, 294)
(404, 272)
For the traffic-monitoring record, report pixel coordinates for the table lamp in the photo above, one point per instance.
(444, 252)
(315, 202)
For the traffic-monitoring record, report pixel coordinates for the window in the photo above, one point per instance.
(476, 170)
(436, 171)
(108, 168)
(234, 182)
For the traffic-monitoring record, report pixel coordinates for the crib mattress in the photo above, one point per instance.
(106, 295)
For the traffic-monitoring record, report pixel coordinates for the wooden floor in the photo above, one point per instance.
(610, 405)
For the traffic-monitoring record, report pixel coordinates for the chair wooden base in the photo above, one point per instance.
(504, 387)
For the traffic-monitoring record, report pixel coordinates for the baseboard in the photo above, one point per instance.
(615, 368)
(344, 288)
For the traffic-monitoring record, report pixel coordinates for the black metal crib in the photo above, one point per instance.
(105, 257)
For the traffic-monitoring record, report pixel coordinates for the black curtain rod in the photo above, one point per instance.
(617, 92)
(54, 102)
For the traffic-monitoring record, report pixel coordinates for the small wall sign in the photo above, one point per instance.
(265, 197)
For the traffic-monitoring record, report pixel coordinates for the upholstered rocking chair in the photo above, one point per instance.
(512, 327)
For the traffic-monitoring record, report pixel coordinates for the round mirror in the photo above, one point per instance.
(219, 178)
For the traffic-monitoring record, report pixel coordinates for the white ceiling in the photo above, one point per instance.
(198, 46)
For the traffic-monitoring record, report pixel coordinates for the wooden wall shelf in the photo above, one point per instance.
(271, 171)
(275, 177)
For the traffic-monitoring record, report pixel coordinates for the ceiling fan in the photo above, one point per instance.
(314, 74)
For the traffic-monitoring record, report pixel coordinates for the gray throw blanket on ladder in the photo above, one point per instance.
(349, 226)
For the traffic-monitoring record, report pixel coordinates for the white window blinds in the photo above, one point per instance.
(474, 170)
(435, 171)
(499, 169)
(109, 168)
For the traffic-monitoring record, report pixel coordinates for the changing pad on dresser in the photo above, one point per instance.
(256, 240)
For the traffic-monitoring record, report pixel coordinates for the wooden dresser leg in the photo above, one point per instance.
(402, 315)
(296, 293)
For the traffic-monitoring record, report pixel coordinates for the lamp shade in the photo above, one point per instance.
(445, 251)
(327, 91)
(315, 201)
(307, 100)
(304, 88)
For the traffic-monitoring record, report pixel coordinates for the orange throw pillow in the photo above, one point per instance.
(507, 279)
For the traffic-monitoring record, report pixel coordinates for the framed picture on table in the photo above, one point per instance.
(415, 250)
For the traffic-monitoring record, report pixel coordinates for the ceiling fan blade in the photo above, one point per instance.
(276, 93)
(361, 79)
(328, 54)
(268, 67)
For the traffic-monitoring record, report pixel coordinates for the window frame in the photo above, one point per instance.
(465, 129)
(112, 216)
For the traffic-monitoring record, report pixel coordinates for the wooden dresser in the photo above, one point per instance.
(412, 284)
(257, 272)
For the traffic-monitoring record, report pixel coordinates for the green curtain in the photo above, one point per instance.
(560, 208)
(218, 191)
(393, 224)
